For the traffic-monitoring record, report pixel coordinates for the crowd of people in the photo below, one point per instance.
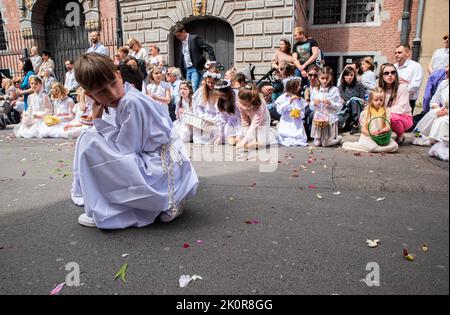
(95, 104)
(209, 109)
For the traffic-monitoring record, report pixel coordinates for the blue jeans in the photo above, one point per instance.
(195, 77)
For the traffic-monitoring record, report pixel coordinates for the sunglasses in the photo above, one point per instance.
(446, 37)
(390, 73)
(313, 75)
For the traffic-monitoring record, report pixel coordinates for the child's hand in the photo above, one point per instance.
(316, 102)
(181, 112)
(67, 127)
(442, 112)
(97, 111)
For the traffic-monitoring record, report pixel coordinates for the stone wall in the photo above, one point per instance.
(258, 25)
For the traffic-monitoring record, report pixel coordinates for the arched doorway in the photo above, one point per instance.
(65, 40)
(217, 33)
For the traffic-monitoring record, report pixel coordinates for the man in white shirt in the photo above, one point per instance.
(191, 57)
(70, 83)
(36, 60)
(440, 57)
(97, 46)
(410, 72)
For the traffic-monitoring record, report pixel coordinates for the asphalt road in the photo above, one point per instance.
(297, 244)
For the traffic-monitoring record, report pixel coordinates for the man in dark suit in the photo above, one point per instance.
(191, 56)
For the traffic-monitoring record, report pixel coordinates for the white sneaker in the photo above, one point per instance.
(171, 214)
(84, 220)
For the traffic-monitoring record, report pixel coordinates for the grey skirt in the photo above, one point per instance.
(329, 132)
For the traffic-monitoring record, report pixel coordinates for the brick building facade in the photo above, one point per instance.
(241, 31)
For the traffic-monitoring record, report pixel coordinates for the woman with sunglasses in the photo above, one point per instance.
(397, 99)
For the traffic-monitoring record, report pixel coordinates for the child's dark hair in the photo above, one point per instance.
(228, 105)
(240, 78)
(191, 93)
(289, 70)
(329, 72)
(348, 70)
(27, 65)
(131, 75)
(249, 93)
(93, 70)
(293, 86)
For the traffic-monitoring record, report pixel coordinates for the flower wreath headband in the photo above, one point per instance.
(294, 79)
(223, 85)
(215, 76)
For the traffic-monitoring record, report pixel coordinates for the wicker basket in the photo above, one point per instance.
(321, 123)
(197, 122)
(385, 138)
(87, 120)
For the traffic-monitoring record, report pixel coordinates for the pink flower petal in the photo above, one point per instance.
(58, 288)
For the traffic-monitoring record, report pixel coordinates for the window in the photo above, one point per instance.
(326, 12)
(358, 11)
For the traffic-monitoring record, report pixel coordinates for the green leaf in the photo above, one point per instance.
(122, 273)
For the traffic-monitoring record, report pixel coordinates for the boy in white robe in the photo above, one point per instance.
(129, 173)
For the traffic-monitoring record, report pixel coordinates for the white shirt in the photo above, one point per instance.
(37, 62)
(412, 72)
(187, 56)
(70, 82)
(334, 96)
(141, 54)
(441, 95)
(98, 48)
(440, 59)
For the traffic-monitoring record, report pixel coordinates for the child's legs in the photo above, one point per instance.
(401, 123)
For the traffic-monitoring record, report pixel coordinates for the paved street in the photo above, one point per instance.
(304, 237)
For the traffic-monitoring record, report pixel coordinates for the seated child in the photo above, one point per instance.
(39, 106)
(375, 109)
(135, 171)
(291, 107)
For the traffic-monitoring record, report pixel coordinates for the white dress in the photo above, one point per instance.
(61, 107)
(291, 131)
(366, 144)
(232, 122)
(183, 131)
(209, 111)
(75, 132)
(121, 174)
(431, 126)
(38, 104)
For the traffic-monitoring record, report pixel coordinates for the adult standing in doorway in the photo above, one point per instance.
(97, 45)
(306, 51)
(70, 83)
(191, 57)
(410, 72)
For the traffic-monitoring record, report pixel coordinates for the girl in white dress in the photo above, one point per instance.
(159, 90)
(326, 102)
(130, 173)
(205, 106)
(230, 115)
(291, 107)
(83, 116)
(39, 106)
(376, 108)
(184, 105)
(434, 126)
(62, 109)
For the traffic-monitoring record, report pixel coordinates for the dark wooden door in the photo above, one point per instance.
(218, 34)
(64, 42)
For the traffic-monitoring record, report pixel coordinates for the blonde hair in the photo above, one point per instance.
(133, 41)
(376, 90)
(124, 49)
(299, 30)
(370, 62)
(7, 83)
(36, 79)
(62, 91)
(94, 70)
